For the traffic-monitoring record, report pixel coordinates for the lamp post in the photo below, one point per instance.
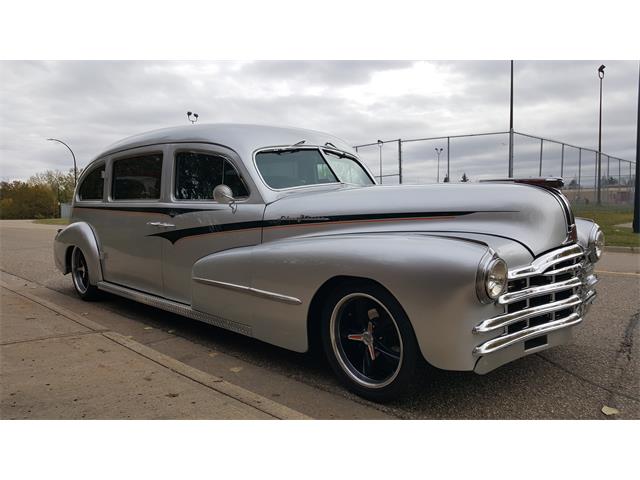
(75, 168)
(380, 143)
(601, 76)
(438, 152)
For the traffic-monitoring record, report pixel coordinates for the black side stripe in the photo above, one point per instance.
(174, 235)
(170, 211)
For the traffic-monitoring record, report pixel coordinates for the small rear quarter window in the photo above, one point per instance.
(92, 187)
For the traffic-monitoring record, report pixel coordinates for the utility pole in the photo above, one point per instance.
(636, 206)
(510, 173)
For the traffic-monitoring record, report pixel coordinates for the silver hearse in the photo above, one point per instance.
(283, 235)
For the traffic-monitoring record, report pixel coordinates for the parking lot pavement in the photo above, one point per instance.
(57, 365)
(599, 367)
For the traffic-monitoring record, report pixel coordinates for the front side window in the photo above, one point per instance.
(137, 178)
(299, 167)
(92, 187)
(197, 174)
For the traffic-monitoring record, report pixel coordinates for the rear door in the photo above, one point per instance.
(135, 212)
(202, 226)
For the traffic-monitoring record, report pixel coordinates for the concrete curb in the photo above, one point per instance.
(622, 249)
(220, 385)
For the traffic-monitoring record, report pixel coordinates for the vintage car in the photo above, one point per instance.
(283, 235)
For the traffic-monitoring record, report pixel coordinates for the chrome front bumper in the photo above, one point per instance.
(553, 293)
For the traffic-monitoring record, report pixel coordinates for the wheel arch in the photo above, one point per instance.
(314, 313)
(81, 235)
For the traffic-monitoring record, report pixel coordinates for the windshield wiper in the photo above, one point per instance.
(289, 149)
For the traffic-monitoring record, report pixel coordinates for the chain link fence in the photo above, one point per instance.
(482, 156)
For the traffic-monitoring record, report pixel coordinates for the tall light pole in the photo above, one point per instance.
(380, 143)
(438, 152)
(510, 169)
(636, 200)
(601, 76)
(75, 167)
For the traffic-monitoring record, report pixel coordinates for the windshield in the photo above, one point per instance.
(299, 167)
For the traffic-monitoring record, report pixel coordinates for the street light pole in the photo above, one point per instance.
(601, 76)
(636, 200)
(438, 152)
(75, 167)
(510, 169)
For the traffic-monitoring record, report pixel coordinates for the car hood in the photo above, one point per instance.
(532, 216)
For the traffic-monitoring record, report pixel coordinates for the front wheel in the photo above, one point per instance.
(80, 276)
(369, 340)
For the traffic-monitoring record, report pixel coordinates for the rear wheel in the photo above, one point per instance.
(80, 276)
(369, 341)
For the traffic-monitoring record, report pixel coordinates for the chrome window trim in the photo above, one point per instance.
(304, 147)
(83, 177)
(174, 164)
(128, 155)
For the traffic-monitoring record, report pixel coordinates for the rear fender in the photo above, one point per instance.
(78, 234)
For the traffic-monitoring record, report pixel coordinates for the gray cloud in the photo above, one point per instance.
(91, 104)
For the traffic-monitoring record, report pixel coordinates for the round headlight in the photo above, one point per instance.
(496, 282)
(492, 278)
(596, 244)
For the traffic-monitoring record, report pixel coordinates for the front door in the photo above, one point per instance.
(202, 226)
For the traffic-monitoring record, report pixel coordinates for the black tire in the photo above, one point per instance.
(367, 306)
(80, 276)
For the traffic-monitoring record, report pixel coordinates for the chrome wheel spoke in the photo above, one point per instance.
(385, 351)
(366, 340)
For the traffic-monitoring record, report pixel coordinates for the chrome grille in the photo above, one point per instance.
(544, 296)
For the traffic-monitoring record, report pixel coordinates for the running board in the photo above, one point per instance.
(175, 307)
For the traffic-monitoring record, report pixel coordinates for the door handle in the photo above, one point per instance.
(160, 224)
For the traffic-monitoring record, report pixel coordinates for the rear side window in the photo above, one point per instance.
(197, 174)
(137, 178)
(92, 187)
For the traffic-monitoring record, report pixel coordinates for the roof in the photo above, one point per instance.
(241, 138)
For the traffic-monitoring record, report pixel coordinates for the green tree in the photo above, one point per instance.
(59, 182)
(22, 200)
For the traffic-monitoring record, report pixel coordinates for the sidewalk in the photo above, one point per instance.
(55, 364)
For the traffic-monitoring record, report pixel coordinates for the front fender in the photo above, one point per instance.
(433, 279)
(78, 234)
(584, 226)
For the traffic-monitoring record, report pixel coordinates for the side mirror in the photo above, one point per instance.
(223, 194)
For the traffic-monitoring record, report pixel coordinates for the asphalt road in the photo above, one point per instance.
(599, 367)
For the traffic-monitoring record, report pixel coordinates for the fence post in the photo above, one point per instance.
(448, 158)
(619, 177)
(579, 170)
(541, 147)
(399, 160)
(562, 162)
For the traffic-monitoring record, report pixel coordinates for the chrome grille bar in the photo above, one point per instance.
(507, 340)
(502, 321)
(512, 297)
(540, 264)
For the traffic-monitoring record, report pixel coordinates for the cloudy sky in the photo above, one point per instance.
(90, 104)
